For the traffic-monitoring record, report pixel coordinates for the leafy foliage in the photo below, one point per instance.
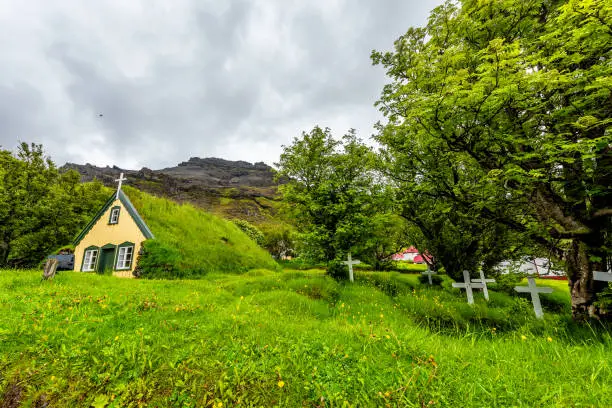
(499, 122)
(332, 192)
(389, 234)
(252, 231)
(337, 270)
(507, 282)
(279, 239)
(40, 209)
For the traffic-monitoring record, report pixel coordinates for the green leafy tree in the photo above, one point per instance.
(279, 239)
(437, 195)
(389, 235)
(331, 193)
(252, 231)
(40, 209)
(500, 111)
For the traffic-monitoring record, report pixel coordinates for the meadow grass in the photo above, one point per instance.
(293, 338)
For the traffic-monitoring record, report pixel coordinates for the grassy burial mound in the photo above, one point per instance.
(190, 243)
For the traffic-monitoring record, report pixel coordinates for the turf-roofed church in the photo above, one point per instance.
(111, 241)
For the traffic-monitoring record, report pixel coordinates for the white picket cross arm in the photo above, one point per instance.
(429, 272)
(468, 286)
(602, 276)
(535, 291)
(484, 281)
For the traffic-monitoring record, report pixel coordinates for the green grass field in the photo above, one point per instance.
(294, 338)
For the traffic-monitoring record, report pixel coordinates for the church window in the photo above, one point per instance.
(89, 260)
(124, 257)
(114, 215)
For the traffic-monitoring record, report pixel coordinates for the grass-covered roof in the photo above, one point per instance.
(190, 242)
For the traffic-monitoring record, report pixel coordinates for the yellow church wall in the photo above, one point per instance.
(103, 233)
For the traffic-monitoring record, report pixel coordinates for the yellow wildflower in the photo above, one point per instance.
(549, 339)
(281, 384)
(523, 337)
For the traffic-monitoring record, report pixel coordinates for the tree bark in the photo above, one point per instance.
(583, 289)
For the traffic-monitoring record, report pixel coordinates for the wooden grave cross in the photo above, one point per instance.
(50, 268)
(468, 286)
(484, 282)
(602, 276)
(350, 264)
(120, 180)
(429, 272)
(535, 294)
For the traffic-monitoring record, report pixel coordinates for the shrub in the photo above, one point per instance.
(604, 298)
(506, 282)
(279, 240)
(337, 270)
(252, 231)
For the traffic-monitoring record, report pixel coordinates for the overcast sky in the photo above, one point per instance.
(173, 79)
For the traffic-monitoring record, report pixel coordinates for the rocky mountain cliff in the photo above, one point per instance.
(235, 189)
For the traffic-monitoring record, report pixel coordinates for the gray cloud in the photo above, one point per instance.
(174, 79)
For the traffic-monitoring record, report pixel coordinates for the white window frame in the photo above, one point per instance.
(125, 257)
(90, 259)
(114, 218)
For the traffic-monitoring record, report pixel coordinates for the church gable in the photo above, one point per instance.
(111, 241)
(116, 210)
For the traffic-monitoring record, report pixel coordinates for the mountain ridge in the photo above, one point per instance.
(234, 189)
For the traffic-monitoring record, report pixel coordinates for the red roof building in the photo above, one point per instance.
(411, 254)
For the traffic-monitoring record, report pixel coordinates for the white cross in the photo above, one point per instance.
(350, 264)
(535, 295)
(484, 282)
(468, 286)
(602, 276)
(429, 272)
(121, 179)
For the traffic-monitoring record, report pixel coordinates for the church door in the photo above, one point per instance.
(107, 259)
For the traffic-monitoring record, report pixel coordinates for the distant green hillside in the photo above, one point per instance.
(190, 243)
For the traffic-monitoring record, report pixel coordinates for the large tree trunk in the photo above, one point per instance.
(583, 289)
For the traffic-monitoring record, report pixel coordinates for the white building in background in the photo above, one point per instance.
(537, 266)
